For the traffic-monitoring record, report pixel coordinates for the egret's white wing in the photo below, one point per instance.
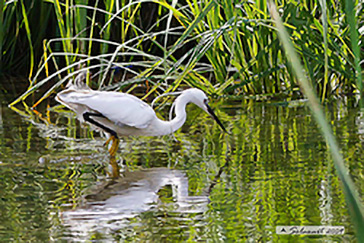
(120, 108)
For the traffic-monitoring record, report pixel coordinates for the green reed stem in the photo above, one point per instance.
(354, 37)
(1, 31)
(326, 66)
(351, 195)
(29, 36)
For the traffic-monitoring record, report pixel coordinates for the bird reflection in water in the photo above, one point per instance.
(114, 203)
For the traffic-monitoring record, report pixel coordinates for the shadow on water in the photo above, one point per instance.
(56, 183)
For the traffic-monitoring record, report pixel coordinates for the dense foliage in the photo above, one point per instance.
(223, 47)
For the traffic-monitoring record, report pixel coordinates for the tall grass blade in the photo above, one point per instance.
(29, 36)
(354, 37)
(93, 23)
(81, 23)
(192, 26)
(62, 28)
(1, 32)
(325, 26)
(351, 195)
(174, 3)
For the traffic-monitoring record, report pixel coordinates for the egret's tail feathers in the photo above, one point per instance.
(79, 82)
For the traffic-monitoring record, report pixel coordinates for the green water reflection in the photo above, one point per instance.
(272, 170)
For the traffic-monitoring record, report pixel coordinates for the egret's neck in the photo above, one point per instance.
(167, 127)
(180, 113)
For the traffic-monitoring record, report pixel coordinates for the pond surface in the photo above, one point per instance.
(199, 185)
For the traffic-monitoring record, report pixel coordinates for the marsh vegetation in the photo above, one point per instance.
(238, 53)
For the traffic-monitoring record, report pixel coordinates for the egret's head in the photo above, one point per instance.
(199, 98)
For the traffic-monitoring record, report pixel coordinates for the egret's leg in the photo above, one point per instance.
(108, 141)
(114, 137)
(115, 173)
(114, 146)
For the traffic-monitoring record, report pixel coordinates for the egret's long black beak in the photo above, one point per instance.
(211, 112)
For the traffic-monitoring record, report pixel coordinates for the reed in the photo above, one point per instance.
(354, 38)
(355, 206)
(23, 26)
(326, 55)
(1, 31)
(218, 46)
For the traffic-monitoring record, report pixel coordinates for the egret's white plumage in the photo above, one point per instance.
(126, 114)
(120, 108)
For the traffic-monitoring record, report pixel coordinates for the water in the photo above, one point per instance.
(200, 185)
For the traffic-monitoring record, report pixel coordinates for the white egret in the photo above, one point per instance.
(121, 114)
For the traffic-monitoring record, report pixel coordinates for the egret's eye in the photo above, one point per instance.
(205, 101)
